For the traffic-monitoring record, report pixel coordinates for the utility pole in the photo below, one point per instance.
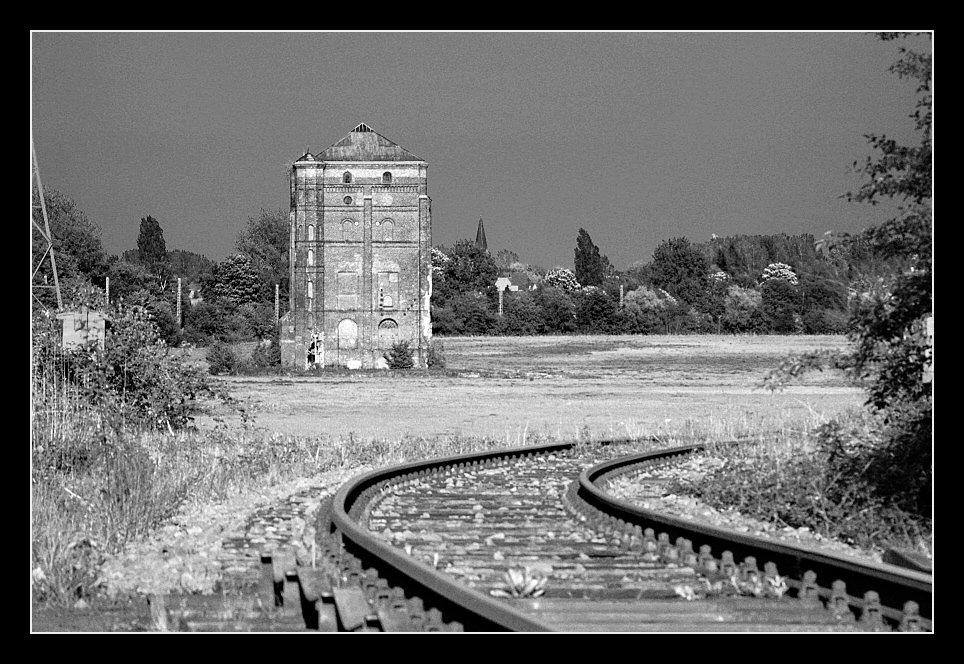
(277, 303)
(180, 320)
(45, 231)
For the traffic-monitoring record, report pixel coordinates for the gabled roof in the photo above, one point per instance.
(365, 144)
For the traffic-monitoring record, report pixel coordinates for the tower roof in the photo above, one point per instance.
(365, 144)
(480, 236)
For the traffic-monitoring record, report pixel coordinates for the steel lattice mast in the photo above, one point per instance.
(44, 231)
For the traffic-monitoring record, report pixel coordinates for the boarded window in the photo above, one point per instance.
(347, 334)
(388, 290)
(386, 230)
(347, 230)
(348, 290)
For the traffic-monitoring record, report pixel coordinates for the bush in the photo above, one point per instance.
(221, 359)
(824, 321)
(400, 356)
(850, 484)
(435, 354)
(134, 378)
(267, 354)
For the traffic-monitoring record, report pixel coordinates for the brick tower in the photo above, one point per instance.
(360, 254)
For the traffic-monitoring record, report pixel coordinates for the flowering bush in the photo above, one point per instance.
(439, 262)
(560, 277)
(720, 276)
(779, 271)
(648, 299)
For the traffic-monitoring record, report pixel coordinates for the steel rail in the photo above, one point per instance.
(894, 585)
(478, 612)
(474, 610)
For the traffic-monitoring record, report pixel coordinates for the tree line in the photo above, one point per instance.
(235, 296)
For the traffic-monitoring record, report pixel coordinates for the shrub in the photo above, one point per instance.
(824, 321)
(133, 378)
(832, 487)
(435, 354)
(267, 354)
(400, 356)
(221, 359)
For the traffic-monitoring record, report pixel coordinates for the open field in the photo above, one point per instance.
(516, 388)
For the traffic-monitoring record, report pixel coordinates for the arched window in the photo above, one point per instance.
(311, 257)
(386, 178)
(346, 178)
(311, 233)
(311, 289)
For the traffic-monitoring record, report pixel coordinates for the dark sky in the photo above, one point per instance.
(636, 137)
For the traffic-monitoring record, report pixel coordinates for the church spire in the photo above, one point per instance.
(480, 236)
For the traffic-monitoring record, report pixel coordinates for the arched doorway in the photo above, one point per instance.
(387, 333)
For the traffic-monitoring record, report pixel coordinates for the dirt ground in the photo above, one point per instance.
(511, 388)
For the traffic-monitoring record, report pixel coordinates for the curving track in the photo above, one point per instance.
(527, 540)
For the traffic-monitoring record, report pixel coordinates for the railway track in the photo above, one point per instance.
(528, 540)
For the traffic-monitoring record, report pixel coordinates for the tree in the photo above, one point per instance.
(265, 239)
(681, 269)
(899, 170)
(521, 314)
(595, 311)
(559, 311)
(780, 302)
(469, 269)
(152, 250)
(505, 259)
(188, 265)
(891, 348)
(76, 241)
(590, 268)
(234, 281)
(129, 278)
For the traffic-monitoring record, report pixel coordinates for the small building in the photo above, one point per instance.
(515, 281)
(83, 327)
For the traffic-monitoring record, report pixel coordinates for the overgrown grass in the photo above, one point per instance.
(99, 483)
(814, 475)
